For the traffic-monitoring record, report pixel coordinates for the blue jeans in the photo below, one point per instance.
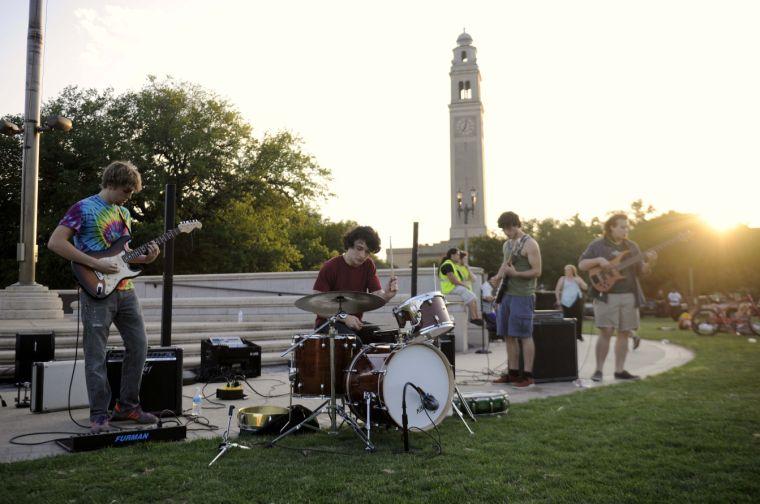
(123, 309)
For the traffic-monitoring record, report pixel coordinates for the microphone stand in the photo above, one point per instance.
(483, 349)
(225, 444)
(405, 419)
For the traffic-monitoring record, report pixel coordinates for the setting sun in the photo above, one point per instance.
(720, 222)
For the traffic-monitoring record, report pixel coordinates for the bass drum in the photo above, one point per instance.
(382, 372)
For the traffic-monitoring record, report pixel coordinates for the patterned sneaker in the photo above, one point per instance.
(625, 375)
(100, 424)
(135, 414)
(597, 376)
(525, 382)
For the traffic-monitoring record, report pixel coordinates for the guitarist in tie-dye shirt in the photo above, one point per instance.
(94, 224)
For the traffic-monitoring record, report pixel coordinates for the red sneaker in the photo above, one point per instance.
(525, 382)
(506, 378)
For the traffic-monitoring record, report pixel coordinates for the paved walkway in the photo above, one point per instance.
(651, 358)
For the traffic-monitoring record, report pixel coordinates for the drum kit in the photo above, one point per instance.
(403, 381)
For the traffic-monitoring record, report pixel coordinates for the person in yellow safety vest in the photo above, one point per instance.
(452, 282)
(464, 270)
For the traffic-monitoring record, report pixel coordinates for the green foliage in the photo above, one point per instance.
(253, 195)
(486, 252)
(10, 201)
(561, 243)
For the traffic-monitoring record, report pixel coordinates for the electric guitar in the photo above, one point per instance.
(101, 285)
(604, 279)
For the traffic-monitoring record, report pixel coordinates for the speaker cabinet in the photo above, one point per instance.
(556, 351)
(161, 387)
(30, 348)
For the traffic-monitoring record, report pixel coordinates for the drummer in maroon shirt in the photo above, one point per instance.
(353, 271)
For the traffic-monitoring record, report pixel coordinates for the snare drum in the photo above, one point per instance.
(379, 374)
(426, 313)
(485, 403)
(310, 363)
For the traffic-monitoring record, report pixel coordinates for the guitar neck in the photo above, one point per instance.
(640, 256)
(143, 249)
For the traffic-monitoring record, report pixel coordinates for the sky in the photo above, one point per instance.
(589, 105)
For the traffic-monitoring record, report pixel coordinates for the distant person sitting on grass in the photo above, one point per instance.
(674, 302)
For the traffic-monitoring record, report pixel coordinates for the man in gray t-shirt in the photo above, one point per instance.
(617, 309)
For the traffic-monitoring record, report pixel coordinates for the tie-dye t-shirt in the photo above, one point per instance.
(97, 225)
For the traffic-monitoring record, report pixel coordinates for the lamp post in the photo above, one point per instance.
(27, 299)
(466, 209)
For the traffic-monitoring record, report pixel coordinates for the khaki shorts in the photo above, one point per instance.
(464, 293)
(619, 312)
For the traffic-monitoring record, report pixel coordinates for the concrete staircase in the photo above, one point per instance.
(270, 322)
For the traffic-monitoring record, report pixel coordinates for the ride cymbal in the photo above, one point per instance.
(334, 302)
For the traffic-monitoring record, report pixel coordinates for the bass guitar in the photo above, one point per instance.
(101, 285)
(604, 279)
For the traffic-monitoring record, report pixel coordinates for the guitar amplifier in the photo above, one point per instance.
(556, 351)
(545, 300)
(32, 348)
(161, 387)
(50, 386)
(225, 357)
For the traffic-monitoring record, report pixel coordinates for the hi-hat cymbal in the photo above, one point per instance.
(333, 302)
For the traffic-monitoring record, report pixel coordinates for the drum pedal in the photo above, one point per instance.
(229, 392)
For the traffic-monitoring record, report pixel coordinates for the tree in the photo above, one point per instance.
(486, 252)
(10, 202)
(253, 195)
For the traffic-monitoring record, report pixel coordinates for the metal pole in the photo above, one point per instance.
(170, 209)
(26, 249)
(414, 259)
(691, 284)
(466, 241)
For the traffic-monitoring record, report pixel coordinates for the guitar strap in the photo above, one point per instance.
(124, 220)
(519, 247)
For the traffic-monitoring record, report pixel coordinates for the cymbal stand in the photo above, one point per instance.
(225, 444)
(331, 404)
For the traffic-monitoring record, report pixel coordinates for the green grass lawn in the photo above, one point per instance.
(689, 435)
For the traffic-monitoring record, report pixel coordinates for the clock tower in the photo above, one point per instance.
(466, 141)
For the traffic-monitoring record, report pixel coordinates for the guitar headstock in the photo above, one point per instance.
(189, 226)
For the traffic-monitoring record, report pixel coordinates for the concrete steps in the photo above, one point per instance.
(267, 321)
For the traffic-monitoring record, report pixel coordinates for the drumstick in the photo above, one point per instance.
(390, 242)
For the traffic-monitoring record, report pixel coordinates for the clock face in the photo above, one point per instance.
(465, 126)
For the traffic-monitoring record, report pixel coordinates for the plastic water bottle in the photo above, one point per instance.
(197, 402)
